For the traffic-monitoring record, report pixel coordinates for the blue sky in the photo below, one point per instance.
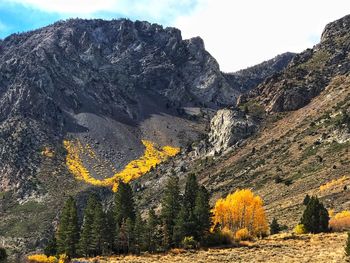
(23, 15)
(238, 33)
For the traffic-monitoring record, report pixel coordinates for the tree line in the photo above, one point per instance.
(184, 220)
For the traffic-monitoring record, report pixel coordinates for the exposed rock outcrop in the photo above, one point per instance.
(229, 127)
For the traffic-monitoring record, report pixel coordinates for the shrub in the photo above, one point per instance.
(274, 227)
(3, 254)
(219, 237)
(340, 221)
(299, 229)
(189, 243)
(41, 258)
(242, 234)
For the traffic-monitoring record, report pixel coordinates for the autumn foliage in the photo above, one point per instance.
(41, 258)
(242, 213)
(340, 221)
(134, 169)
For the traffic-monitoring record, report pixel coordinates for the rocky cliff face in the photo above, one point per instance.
(308, 73)
(229, 127)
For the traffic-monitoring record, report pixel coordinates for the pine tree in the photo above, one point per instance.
(130, 235)
(180, 230)
(98, 231)
(274, 227)
(347, 246)
(139, 234)
(68, 229)
(124, 203)
(152, 232)
(51, 248)
(189, 203)
(85, 241)
(62, 227)
(315, 217)
(189, 199)
(170, 209)
(73, 231)
(306, 200)
(110, 230)
(202, 214)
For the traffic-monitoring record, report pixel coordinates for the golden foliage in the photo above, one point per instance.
(341, 221)
(63, 258)
(41, 258)
(334, 183)
(134, 169)
(240, 210)
(299, 229)
(242, 234)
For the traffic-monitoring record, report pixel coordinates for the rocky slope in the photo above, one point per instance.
(103, 87)
(308, 73)
(249, 78)
(302, 150)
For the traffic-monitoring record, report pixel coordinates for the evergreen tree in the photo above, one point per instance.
(124, 203)
(306, 200)
(180, 230)
(315, 217)
(3, 254)
(51, 248)
(68, 229)
(347, 246)
(130, 235)
(274, 227)
(202, 214)
(152, 232)
(98, 231)
(170, 209)
(139, 234)
(85, 242)
(189, 199)
(73, 231)
(110, 230)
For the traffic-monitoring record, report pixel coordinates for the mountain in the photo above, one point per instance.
(308, 73)
(247, 79)
(84, 103)
(288, 137)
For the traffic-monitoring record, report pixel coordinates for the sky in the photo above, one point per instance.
(238, 33)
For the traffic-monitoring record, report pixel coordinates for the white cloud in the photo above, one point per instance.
(68, 6)
(156, 10)
(241, 33)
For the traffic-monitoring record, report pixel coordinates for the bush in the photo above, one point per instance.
(299, 229)
(274, 227)
(189, 243)
(242, 234)
(219, 238)
(41, 258)
(340, 221)
(3, 254)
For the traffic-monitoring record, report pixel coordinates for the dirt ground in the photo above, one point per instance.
(327, 248)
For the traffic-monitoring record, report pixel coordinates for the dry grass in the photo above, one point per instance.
(278, 248)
